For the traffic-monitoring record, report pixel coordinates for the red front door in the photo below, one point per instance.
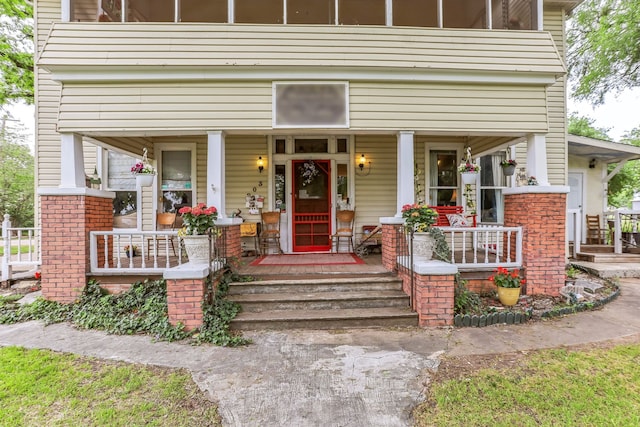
(311, 205)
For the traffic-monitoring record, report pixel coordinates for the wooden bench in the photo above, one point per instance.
(443, 211)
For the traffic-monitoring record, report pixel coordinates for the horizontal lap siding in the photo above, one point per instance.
(431, 107)
(556, 94)
(242, 175)
(180, 45)
(376, 192)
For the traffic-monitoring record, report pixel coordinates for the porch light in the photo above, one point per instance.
(361, 164)
(260, 164)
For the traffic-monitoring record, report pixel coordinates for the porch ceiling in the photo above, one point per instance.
(604, 151)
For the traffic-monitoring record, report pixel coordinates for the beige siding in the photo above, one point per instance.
(187, 107)
(241, 172)
(223, 45)
(556, 95)
(376, 192)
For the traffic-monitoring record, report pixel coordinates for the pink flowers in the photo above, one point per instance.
(198, 219)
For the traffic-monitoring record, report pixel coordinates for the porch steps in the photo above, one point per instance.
(322, 303)
(608, 257)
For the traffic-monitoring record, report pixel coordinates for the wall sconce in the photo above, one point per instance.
(592, 163)
(361, 164)
(260, 164)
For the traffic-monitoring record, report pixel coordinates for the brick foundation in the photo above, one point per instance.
(184, 301)
(66, 221)
(433, 297)
(542, 217)
(389, 246)
(233, 249)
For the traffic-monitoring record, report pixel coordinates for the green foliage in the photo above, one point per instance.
(441, 249)
(465, 301)
(572, 272)
(603, 49)
(218, 314)
(43, 388)
(418, 217)
(584, 126)
(16, 177)
(16, 51)
(141, 309)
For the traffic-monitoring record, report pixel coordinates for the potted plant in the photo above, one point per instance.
(468, 170)
(509, 284)
(143, 171)
(508, 166)
(197, 221)
(131, 251)
(420, 219)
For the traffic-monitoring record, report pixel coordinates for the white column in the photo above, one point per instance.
(65, 10)
(215, 171)
(537, 158)
(71, 161)
(405, 192)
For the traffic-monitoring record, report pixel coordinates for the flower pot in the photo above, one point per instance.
(129, 255)
(144, 179)
(509, 170)
(423, 244)
(469, 177)
(197, 248)
(508, 296)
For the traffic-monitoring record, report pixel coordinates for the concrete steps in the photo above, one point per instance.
(325, 303)
(608, 257)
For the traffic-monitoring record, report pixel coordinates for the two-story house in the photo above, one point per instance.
(243, 100)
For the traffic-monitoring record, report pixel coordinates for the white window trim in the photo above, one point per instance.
(159, 149)
(102, 165)
(436, 146)
(309, 82)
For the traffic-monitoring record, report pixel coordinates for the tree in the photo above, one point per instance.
(604, 48)
(626, 182)
(16, 176)
(583, 126)
(16, 51)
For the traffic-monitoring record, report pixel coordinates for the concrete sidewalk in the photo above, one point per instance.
(333, 378)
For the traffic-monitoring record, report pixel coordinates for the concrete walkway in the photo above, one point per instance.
(333, 378)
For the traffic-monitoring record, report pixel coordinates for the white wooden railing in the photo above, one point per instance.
(27, 244)
(627, 221)
(154, 251)
(484, 247)
(576, 216)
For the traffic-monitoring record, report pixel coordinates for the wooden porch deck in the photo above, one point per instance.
(372, 265)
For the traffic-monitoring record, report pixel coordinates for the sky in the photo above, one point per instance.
(619, 114)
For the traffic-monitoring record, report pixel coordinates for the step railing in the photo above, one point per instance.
(485, 247)
(25, 241)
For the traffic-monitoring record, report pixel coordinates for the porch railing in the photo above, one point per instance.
(154, 252)
(485, 247)
(626, 229)
(576, 224)
(25, 242)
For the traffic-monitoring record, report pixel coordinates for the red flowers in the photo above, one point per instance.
(37, 275)
(507, 279)
(198, 219)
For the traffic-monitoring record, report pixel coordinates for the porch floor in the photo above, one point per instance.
(372, 265)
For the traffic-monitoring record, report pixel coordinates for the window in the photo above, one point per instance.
(123, 183)
(176, 180)
(464, 14)
(259, 11)
(311, 11)
(311, 145)
(150, 10)
(342, 187)
(280, 187)
(492, 181)
(362, 12)
(203, 10)
(443, 177)
(415, 13)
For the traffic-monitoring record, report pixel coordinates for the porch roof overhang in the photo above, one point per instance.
(84, 52)
(604, 151)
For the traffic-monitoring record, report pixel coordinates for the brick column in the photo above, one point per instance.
(434, 283)
(541, 212)
(186, 289)
(390, 241)
(67, 217)
(230, 229)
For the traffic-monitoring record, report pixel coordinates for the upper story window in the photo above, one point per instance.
(498, 14)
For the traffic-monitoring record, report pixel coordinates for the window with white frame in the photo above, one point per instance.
(492, 182)
(443, 177)
(123, 183)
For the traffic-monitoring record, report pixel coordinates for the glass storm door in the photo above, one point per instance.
(311, 205)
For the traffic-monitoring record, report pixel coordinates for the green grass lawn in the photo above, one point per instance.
(43, 388)
(594, 387)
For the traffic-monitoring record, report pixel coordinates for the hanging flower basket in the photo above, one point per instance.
(144, 179)
(469, 177)
(508, 167)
